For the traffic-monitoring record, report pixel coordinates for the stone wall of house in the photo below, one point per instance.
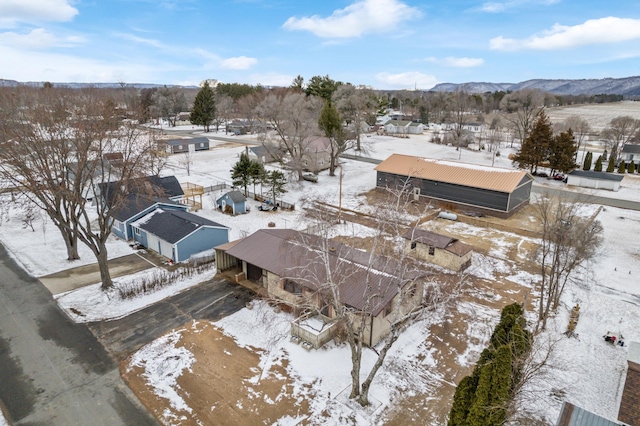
(440, 257)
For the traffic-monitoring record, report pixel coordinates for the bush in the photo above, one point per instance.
(622, 167)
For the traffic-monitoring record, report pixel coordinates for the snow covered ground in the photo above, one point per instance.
(588, 371)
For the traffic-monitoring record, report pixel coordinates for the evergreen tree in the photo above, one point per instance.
(257, 173)
(631, 168)
(204, 107)
(612, 165)
(622, 167)
(536, 146)
(563, 152)
(241, 172)
(481, 399)
(587, 161)
(462, 400)
(331, 124)
(598, 166)
(276, 182)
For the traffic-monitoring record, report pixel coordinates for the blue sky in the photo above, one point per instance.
(386, 44)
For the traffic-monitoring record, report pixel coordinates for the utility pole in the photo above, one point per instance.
(340, 197)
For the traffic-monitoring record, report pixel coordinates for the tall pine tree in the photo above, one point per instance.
(563, 152)
(204, 107)
(536, 146)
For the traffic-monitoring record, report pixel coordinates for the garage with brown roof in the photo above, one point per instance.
(491, 190)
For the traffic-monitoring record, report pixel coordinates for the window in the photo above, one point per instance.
(413, 245)
(322, 161)
(387, 309)
(292, 287)
(201, 144)
(432, 251)
(137, 231)
(180, 147)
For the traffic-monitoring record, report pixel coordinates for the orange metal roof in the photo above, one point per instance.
(472, 175)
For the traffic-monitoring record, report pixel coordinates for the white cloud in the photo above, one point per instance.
(406, 80)
(451, 61)
(593, 31)
(29, 11)
(22, 65)
(361, 17)
(38, 38)
(496, 7)
(239, 63)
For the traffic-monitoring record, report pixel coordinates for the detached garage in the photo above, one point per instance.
(596, 180)
(491, 190)
(178, 235)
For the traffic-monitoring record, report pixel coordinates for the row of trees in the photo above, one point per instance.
(484, 397)
(250, 172)
(54, 145)
(542, 148)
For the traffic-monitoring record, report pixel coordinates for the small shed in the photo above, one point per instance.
(176, 146)
(438, 249)
(233, 202)
(596, 180)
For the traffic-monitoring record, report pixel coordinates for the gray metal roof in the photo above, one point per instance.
(174, 225)
(576, 416)
(132, 204)
(597, 175)
(432, 239)
(631, 149)
(236, 196)
(313, 261)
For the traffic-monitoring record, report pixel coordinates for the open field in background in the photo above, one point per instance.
(598, 115)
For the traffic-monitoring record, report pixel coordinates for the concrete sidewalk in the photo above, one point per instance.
(81, 276)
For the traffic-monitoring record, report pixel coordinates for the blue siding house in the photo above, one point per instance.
(133, 208)
(178, 234)
(235, 200)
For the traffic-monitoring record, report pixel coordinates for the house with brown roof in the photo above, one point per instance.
(629, 412)
(295, 268)
(438, 249)
(490, 190)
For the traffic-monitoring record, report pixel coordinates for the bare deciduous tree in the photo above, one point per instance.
(521, 108)
(580, 127)
(568, 242)
(294, 118)
(382, 287)
(55, 150)
(355, 104)
(621, 130)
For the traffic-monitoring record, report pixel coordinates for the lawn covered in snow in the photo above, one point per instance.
(584, 371)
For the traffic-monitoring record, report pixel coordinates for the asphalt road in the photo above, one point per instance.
(52, 370)
(592, 199)
(212, 300)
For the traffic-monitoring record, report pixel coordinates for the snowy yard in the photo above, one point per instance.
(586, 371)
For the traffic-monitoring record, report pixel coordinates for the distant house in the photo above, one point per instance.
(403, 127)
(233, 201)
(263, 154)
(178, 234)
(183, 118)
(438, 249)
(153, 186)
(629, 153)
(292, 267)
(630, 405)
(316, 155)
(596, 180)
(176, 146)
(491, 190)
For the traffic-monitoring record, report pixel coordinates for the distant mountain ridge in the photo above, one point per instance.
(627, 86)
(14, 83)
